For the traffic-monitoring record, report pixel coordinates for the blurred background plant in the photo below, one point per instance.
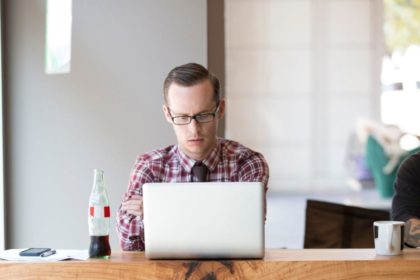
(401, 24)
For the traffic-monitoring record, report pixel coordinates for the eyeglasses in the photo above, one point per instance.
(201, 118)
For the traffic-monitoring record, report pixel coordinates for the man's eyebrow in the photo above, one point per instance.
(208, 111)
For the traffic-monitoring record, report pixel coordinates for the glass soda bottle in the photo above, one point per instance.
(98, 219)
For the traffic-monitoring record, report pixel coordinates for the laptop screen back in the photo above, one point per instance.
(204, 220)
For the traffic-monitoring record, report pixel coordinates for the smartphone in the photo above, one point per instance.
(33, 252)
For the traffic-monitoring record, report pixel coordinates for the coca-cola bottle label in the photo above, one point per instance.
(99, 211)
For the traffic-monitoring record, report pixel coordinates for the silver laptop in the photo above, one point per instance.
(204, 220)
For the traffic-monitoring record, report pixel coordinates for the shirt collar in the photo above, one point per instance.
(211, 161)
(186, 162)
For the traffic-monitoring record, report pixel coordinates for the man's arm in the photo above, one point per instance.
(130, 226)
(412, 232)
(254, 169)
(406, 201)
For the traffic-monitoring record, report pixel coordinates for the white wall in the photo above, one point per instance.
(298, 75)
(101, 115)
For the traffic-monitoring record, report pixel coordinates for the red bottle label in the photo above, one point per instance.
(100, 212)
(107, 212)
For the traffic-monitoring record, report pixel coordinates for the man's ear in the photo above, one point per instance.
(166, 113)
(221, 111)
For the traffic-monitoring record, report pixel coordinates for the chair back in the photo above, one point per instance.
(331, 225)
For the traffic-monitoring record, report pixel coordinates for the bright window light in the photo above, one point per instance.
(409, 142)
(401, 108)
(58, 36)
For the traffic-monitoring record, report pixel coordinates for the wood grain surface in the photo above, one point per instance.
(277, 264)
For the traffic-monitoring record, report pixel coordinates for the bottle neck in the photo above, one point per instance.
(98, 180)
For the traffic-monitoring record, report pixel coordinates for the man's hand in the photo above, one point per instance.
(412, 232)
(133, 206)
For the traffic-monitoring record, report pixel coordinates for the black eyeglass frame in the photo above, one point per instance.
(195, 117)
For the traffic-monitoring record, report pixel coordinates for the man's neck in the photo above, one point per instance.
(200, 157)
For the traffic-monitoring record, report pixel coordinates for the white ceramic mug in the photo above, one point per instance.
(389, 237)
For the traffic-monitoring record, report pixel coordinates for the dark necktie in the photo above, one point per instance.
(199, 171)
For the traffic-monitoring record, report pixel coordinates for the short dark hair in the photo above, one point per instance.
(188, 75)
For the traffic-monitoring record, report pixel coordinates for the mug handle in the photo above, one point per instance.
(402, 237)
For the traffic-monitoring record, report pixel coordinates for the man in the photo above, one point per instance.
(406, 201)
(194, 107)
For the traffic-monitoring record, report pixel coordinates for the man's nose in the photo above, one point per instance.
(194, 126)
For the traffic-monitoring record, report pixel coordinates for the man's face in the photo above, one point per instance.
(195, 139)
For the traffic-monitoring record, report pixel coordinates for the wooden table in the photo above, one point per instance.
(277, 264)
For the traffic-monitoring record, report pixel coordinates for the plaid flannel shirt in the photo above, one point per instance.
(229, 161)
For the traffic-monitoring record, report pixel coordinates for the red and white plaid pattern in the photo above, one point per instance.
(228, 162)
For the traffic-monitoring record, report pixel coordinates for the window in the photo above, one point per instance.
(401, 65)
(58, 40)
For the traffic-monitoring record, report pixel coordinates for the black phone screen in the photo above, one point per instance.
(33, 252)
